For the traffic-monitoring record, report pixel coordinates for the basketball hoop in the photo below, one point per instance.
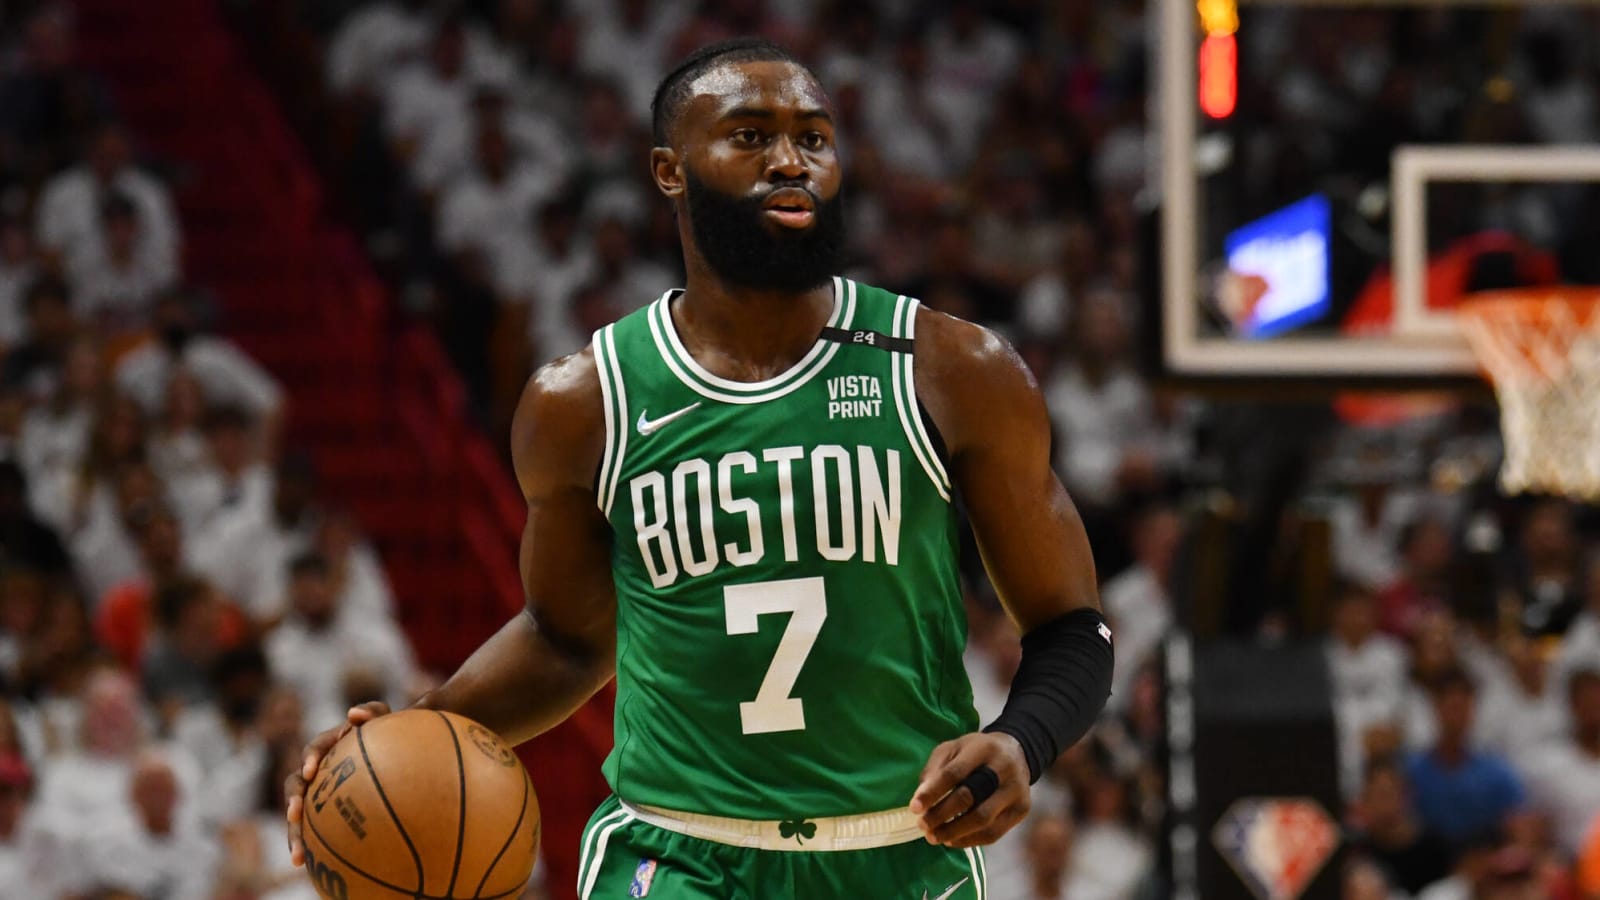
(1541, 348)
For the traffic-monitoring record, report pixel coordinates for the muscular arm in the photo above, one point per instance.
(997, 433)
(544, 663)
(988, 408)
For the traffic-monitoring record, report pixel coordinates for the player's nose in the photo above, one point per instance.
(784, 161)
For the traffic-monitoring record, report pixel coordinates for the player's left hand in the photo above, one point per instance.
(944, 802)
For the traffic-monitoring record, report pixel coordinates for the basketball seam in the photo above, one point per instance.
(412, 895)
(522, 814)
(461, 819)
(361, 742)
(417, 895)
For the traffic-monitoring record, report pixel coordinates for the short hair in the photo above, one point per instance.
(1452, 679)
(229, 415)
(309, 563)
(673, 91)
(45, 288)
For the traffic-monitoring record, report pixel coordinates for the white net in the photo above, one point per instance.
(1542, 350)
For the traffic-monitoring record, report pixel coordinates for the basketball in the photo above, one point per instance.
(420, 803)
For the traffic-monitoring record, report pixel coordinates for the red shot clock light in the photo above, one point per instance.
(1219, 57)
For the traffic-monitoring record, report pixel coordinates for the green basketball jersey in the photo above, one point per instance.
(789, 618)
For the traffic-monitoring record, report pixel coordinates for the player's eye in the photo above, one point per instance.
(813, 140)
(749, 137)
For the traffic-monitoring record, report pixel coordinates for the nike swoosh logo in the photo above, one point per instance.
(651, 426)
(949, 890)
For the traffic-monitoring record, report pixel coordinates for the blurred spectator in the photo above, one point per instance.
(154, 851)
(224, 727)
(1109, 442)
(18, 269)
(116, 273)
(373, 41)
(34, 366)
(191, 629)
(47, 102)
(246, 552)
(546, 275)
(626, 41)
(356, 573)
(1425, 553)
(71, 206)
(494, 198)
(31, 863)
(277, 731)
(25, 541)
(1580, 646)
(533, 140)
(1050, 854)
(1368, 670)
(1110, 858)
(176, 446)
(1544, 569)
(123, 617)
(1563, 775)
(82, 789)
(320, 649)
(255, 858)
(1366, 530)
(432, 93)
(1046, 304)
(1460, 792)
(227, 376)
(1526, 707)
(1138, 601)
(969, 60)
(1387, 831)
(55, 434)
(230, 478)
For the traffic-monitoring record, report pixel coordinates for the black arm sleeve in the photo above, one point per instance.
(1060, 688)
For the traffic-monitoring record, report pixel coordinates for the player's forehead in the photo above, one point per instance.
(774, 86)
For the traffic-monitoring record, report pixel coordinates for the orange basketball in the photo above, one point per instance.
(420, 803)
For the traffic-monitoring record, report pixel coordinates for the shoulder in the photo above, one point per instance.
(559, 430)
(973, 381)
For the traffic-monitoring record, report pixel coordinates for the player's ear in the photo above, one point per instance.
(666, 170)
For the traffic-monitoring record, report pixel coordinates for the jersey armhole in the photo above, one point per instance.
(912, 417)
(615, 398)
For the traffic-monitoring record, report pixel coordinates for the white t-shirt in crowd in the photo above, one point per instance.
(227, 375)
(1140, 613)
(1564, 781)
(69, 210)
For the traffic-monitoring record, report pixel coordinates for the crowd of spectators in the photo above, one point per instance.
(178, 610)
(995, 155)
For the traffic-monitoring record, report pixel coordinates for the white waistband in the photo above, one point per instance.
(863, 832)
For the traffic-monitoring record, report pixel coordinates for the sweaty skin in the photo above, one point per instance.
(749, 128)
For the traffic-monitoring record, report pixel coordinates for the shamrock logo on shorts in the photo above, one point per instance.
(799, 829)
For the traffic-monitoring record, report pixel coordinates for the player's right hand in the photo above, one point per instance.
(294, 787)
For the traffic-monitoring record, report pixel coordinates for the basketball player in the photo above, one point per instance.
(741, 506)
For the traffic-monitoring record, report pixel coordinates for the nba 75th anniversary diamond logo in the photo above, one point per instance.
(1276, 844)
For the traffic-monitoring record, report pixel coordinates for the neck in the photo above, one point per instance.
(1451, 750)
(747, 335)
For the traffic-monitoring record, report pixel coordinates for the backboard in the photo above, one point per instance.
(1336, 174)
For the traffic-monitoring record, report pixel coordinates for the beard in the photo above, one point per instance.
(736, 241)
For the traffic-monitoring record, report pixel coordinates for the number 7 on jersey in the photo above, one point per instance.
(773, 709)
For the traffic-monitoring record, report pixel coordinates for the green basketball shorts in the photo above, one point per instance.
(632, 852)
